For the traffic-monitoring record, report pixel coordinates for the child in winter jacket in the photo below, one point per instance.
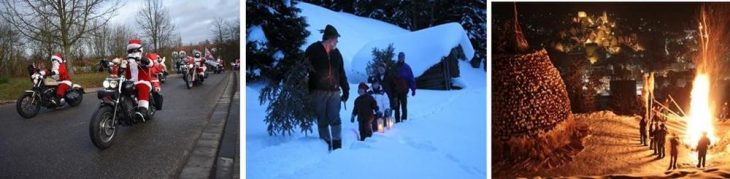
(383, 101)
(365, 107)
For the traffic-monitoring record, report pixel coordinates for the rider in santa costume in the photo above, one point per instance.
(156, 68)
(138, 70)
(201, 63)
(59, 73)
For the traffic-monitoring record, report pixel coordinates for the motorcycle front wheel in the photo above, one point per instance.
(189, 81)
(103, 128)
(28, 106)
(74, 97)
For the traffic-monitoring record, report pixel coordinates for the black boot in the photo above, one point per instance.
(336, 144)
(141, 114)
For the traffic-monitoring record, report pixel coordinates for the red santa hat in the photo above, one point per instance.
(134, 44)
(57, 56)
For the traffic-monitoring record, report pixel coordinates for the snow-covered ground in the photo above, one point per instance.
(613, 150)
(444, 137)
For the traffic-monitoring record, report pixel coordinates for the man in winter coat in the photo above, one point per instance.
(58, 72)
(138, 71)
(325, 81)
(381, 97)
(702, 147)
(403, 81)
(365, 106)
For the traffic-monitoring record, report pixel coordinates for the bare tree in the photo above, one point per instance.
(226, 38)
(8, 41)
(99, 41)
(45, 47)
(69, 20)
(156, 23)
(118, 41)
(219, 30)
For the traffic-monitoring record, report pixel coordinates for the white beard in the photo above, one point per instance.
(132, 65)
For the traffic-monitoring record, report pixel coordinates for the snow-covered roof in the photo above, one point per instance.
(359, 35)
(355, 31)
(423, 49)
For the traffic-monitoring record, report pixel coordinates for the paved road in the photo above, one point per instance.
(56, 143)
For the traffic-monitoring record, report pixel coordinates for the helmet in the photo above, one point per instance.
(197, 54)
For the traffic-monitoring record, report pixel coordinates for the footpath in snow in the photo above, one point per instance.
(444, 137)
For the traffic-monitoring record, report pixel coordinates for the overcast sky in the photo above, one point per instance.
(192, 18)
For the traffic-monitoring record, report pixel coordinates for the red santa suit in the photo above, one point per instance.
(138, 70)
(59, 73)
(155, 69)
(200, 62)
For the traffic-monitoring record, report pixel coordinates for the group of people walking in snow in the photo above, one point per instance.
(658, 137)
(328, 87)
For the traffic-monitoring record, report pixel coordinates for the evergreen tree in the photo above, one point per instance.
(384, 56)
(286, 90)
(475, 23)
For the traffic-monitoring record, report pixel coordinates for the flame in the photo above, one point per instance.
(700, 115)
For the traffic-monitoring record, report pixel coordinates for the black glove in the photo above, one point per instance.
(345, 94)
(145, 61)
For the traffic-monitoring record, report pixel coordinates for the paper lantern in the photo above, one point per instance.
(381, 124)
(389, 123)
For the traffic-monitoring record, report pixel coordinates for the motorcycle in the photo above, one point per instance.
(236, 65)
(162, 76)
(118, 101)
(43, 92)
(190, 74)
(180, 65)
(219, 67)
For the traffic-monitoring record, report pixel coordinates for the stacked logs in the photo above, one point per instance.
(531, 115)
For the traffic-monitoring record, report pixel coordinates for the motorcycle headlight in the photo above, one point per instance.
(190, 65)
(113, 84)
(105, 84)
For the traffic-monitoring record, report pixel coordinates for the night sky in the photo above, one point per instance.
(667, 12)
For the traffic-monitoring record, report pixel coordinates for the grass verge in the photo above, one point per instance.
(15, 86)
